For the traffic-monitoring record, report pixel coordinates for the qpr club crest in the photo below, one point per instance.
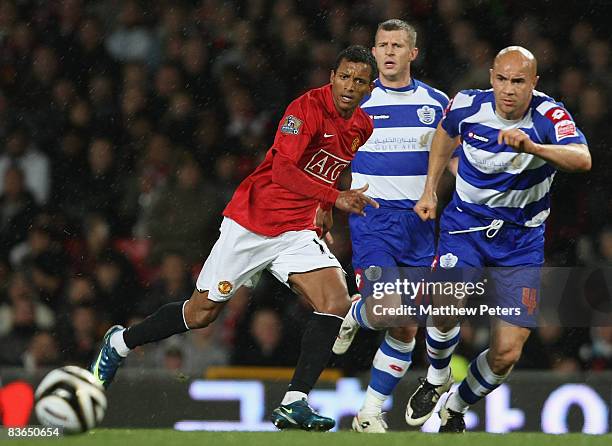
(373, 273)
(448, 260)
(426, 114)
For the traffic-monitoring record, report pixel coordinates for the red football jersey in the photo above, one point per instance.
(320, 143)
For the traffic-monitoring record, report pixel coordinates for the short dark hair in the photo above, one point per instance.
(358, 53)
(399, 25)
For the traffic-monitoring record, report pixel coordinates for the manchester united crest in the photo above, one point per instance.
(355, 144)
(225, 287)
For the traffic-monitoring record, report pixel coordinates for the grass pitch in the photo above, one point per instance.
(169, 437)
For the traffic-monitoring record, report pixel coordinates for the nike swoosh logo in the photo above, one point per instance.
(327, 135)
(290, 411)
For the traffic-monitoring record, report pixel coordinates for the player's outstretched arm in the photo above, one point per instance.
(442, 148)
(569, 157)
(354, 200)
(286, 173)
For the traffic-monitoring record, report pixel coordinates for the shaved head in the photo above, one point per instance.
(518, 57)
(513, 78)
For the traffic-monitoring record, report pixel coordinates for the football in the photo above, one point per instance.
(70, 398)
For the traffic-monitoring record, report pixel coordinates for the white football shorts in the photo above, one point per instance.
(239, 256)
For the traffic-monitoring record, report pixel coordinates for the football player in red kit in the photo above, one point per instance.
(275, 221)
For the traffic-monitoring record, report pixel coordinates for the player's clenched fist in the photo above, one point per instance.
(426, 207)
(517, 139)
(354, 200)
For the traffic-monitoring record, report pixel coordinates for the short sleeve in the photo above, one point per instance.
(457, 151)
(455, 112)
(556, 126)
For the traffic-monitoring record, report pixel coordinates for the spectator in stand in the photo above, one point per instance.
(40, 239)
(103, 186)
(173, 284)
(17, 209)
(194, 58)
(79, 337)
(198, 350)
(68, 166)
(93, 58)
(19, 288)
(131, 41)
(185, 217)
(179, 121)
(43, 352)
(25, 319)
(47, 274)
(34, 164)
(265, 344)
(117, 287)
(168, 80)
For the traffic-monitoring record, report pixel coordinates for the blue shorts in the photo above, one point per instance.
(387, 239)
(515, 255)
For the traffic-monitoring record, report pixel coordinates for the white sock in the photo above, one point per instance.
(292, 396)
(456, 403)
(437, 377)
(440, 357)
(118, 343)
(373, 402)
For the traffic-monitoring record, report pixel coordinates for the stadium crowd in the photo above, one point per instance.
(125, 127)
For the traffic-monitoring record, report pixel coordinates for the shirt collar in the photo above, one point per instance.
(411, 86)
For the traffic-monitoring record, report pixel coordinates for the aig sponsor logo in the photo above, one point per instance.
(325, 166)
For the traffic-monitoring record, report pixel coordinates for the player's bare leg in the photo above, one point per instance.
(492, 367)
(169, 319)
(200, 311)
(326, 291)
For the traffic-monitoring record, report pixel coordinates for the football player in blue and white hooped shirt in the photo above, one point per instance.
(393, 162)
(514, 141)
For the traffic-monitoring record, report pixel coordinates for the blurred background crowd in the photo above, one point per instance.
(126, 125)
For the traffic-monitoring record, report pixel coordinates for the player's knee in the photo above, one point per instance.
(200, 311)
(202, 319)
(338, 305)
(445, 323)
(403, 334)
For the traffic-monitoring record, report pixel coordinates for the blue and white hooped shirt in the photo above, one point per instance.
(494, 181)
(394, 160)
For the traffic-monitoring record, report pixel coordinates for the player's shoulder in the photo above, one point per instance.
(437, 95)
(364, 119)
(471, 99)
(312, 98)
(309, 105)
(547, 108)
